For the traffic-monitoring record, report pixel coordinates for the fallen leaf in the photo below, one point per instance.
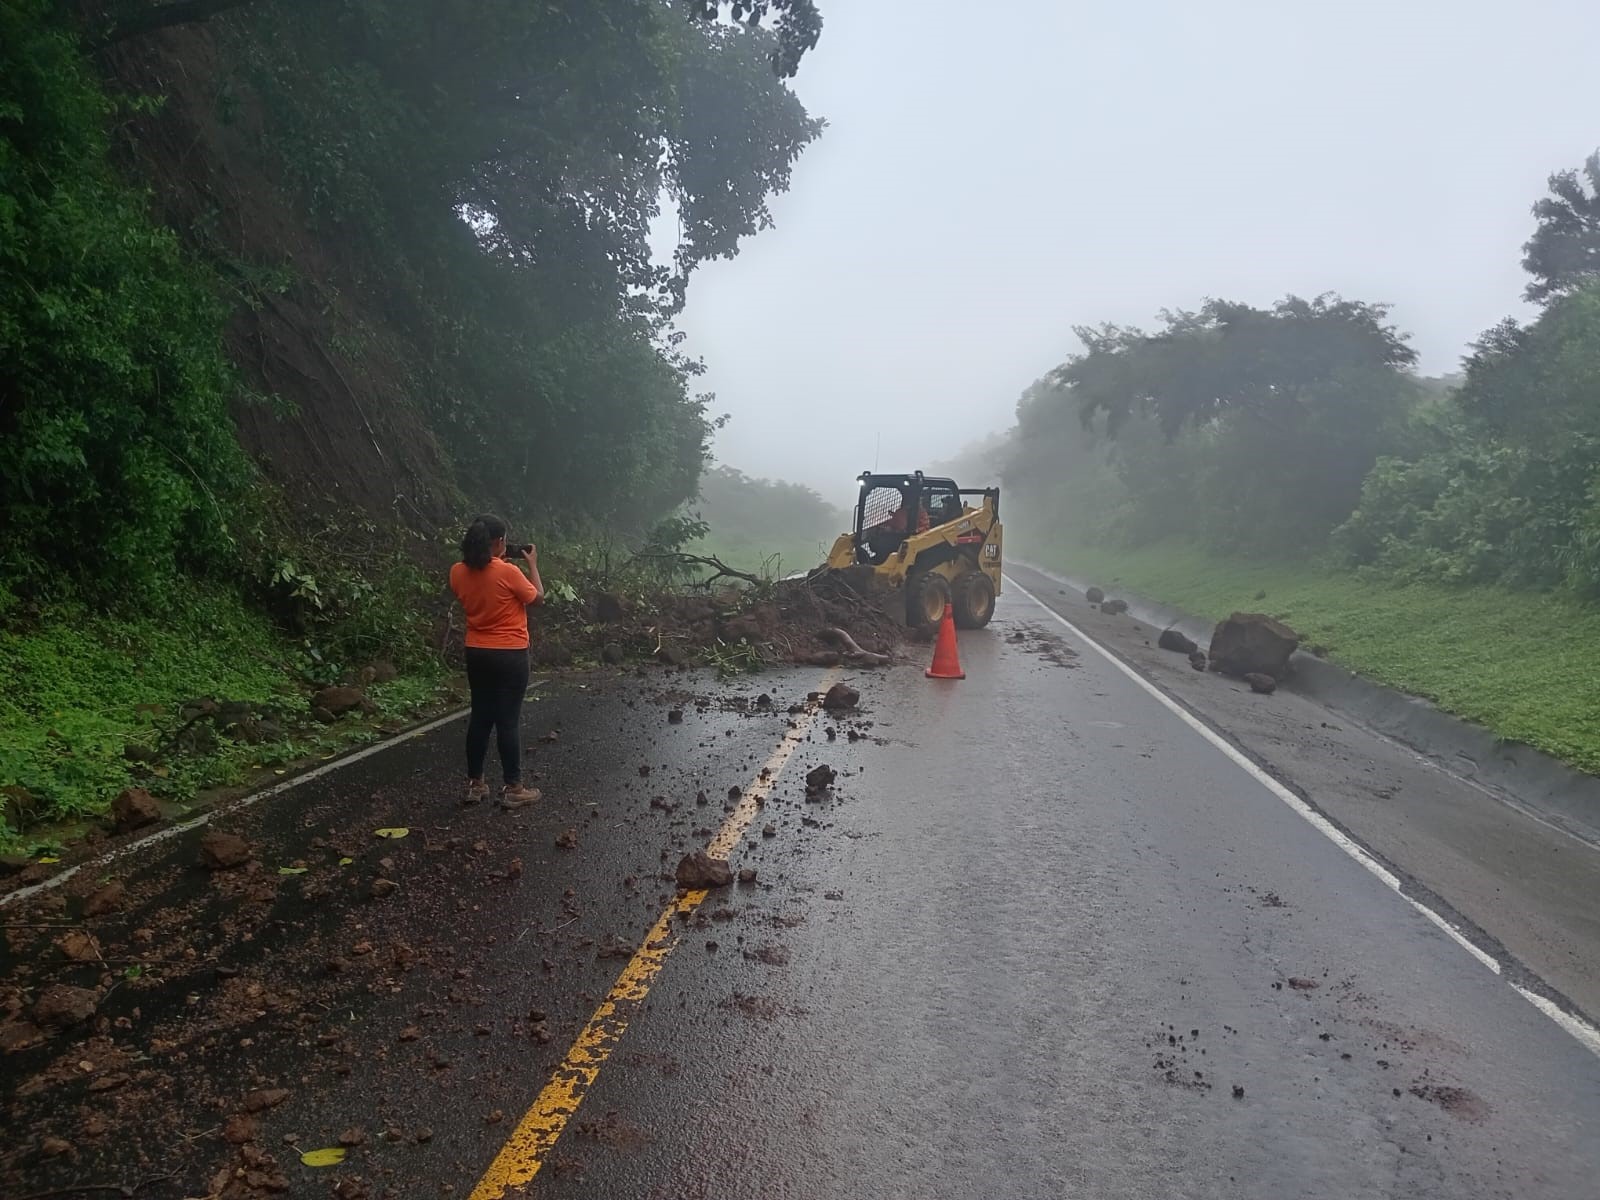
(49, 858)
(396, 832)
(329, 1156)
(292, 870)
(345, 862)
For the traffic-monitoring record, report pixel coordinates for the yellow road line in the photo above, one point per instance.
(524, 1152)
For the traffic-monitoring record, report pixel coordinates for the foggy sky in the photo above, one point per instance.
(995, 173)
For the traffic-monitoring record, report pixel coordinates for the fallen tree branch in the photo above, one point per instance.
(722, 569)
(848, 644)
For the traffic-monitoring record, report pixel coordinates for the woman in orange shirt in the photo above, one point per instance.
(496, 594)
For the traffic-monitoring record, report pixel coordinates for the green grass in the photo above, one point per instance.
(1520, 663)
(77, 687)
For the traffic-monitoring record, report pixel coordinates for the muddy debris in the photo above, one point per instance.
(841, 696)
(264, 1098)
(78, 946)
(54, 1147)
(699, 870)
(134, 808)
(105, 900)
(61, 1006)
(240, 1128)
(220, 851)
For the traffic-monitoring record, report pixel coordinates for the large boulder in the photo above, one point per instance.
(1252, 643)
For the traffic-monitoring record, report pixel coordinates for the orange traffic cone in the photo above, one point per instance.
(946, 663)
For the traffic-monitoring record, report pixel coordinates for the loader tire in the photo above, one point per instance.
(972, 597)
(926, 596)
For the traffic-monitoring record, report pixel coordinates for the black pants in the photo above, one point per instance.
(499, 680)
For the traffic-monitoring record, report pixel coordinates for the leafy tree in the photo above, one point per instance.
(1229, 359)
(1564, 251)
(118, 461)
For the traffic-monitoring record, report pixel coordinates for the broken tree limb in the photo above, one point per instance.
(848, 644)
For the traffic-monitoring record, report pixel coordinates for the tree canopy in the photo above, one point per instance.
(1564, 251)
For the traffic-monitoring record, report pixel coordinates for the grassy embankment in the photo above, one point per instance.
(77, 688)
(1520, 663)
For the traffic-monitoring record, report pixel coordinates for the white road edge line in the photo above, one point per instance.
(246, 801)
(1580, 1029)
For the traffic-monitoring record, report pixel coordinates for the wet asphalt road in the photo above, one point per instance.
(1030, 946)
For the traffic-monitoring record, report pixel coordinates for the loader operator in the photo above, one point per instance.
(882, 539)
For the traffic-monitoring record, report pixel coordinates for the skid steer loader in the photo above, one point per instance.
(918, 542)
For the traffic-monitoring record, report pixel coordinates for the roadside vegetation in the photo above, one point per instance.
(1439, 535)
(288, 292)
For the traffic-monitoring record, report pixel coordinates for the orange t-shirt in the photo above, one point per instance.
(496, 600)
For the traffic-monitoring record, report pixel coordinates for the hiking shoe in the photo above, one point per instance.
(515, 795)
(475, 792)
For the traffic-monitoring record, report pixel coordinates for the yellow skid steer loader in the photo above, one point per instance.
(920, 540)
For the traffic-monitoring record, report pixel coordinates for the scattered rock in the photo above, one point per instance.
(820, 779)
(700, 870)
(1261, 684)
(769, 830)
(1176, 639)
(675, 716)
(239, 1129)
(264, 1098)
(1094, 595)
(104, 900)
(1238, 1091)
(54, 1147)
(339, 700)
(219, 850)
(134, 808)
(79, 946)
(747, 875)
(1113, 607)
(423, 1134)
(382, 888)
(567, 839)
(841, 696)
(61, 1006)
(1252, 643)
(1301, 984)
(322, 715)
(1197, 660)
(354, 1136)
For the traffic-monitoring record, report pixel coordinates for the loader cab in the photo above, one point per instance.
(892, 508)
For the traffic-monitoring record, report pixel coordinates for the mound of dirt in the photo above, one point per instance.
(819, 622)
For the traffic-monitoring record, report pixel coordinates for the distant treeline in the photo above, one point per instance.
(749, 522)
(1303, 429)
